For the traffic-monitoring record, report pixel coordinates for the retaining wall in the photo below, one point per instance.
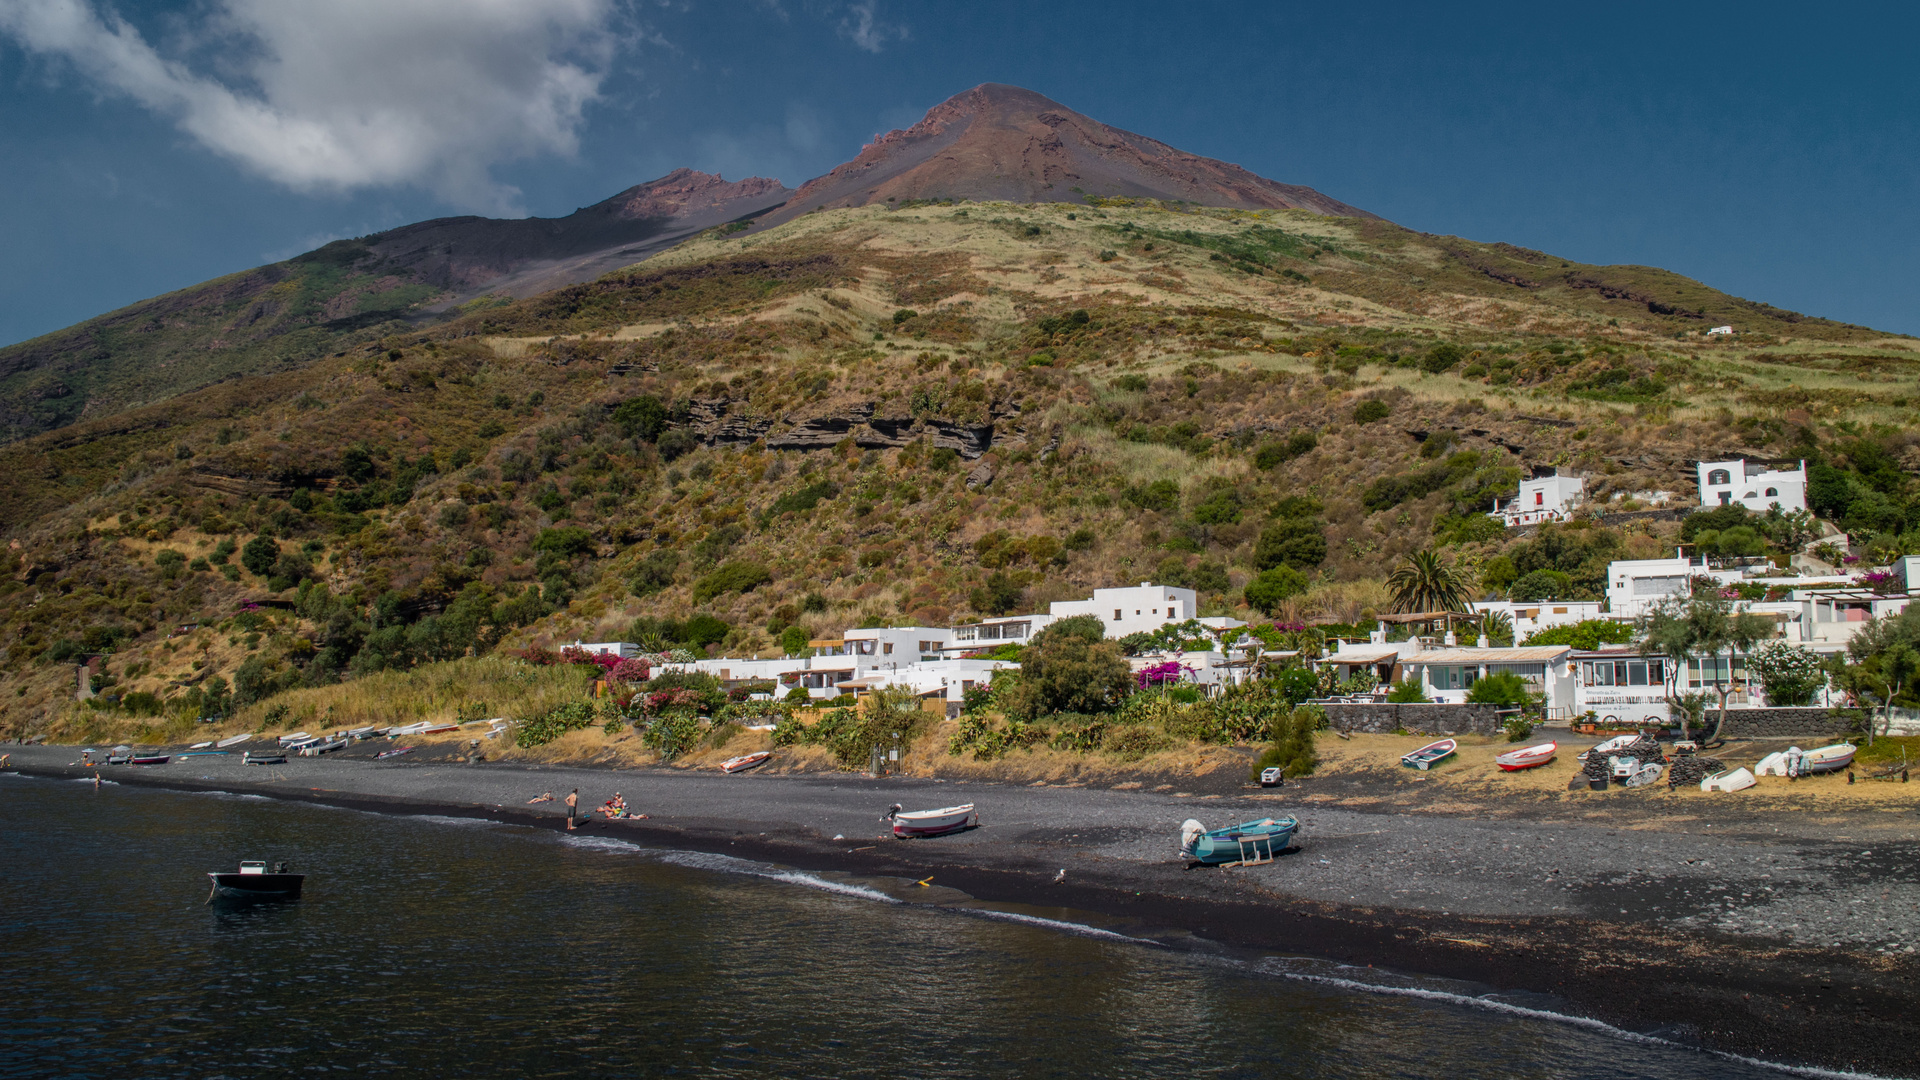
(1431, 719)
(1772, 723)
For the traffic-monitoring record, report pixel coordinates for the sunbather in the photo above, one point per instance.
(547, 797)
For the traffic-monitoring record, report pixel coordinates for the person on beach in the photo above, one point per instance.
(573, 806)
(96, 781)
(543, 797)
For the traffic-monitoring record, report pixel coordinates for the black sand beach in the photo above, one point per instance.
(1793, 937)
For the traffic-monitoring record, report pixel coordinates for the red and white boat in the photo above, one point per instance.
(1527, 757)
(745, 761)
(919, 823)
(1825, 759)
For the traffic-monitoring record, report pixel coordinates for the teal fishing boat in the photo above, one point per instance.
(1248, 842)
(1430, 755)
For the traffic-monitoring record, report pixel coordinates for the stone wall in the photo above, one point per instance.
(1419, 719)
(1778, 723)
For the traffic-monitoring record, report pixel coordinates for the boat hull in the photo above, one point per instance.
(1731, 780)
(1829, 758)
(1531, 757)
(151, 759)
(263, 759)
(1430, 755)
(1252, 840)
(256, 886)
(925, 823)
(745, 762)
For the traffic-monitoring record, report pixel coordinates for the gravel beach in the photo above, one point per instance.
(1784, 935)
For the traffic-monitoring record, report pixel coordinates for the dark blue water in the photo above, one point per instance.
(443, 948)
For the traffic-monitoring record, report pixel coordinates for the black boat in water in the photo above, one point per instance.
(254, 881)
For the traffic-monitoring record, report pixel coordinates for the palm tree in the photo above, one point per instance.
(1422, 582)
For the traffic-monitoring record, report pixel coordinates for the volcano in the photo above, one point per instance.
(997, 142)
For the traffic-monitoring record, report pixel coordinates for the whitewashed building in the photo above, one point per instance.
(1756, 486)
(1448, 674)
(1531, 617)
(1544, 498)
(1139, 609)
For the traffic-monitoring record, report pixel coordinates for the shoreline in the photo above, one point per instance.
(1652, 968)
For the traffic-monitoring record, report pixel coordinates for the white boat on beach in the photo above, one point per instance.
(231, 740)
(201, 745)
(1774, 764)
(1730, 780)
(923, 823)
(1829, 758)
(745, 761)
(298, 736)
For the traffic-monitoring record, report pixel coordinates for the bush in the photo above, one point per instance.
(793, 641)
(672, 734)
(677, 443)
(1069, 667)
(567, 542)
(1264, 593)
(1587, 634)
(1499, 688)
(1466, 528)
(799, 696)
(803, 500)
(1790, 675)
(703, 630)
(1292, 738)
(1441, 356)
(259, 555)
(1408, 692)
(1371, 410)
(1541, 585)
(1518, 728)
(653, 573)
(543, 729)
(1162, 496)
(1275, 454)
(643, 417)
(998, 596)
(739, 576)
(1300, 543)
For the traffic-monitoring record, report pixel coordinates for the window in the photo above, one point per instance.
(1771, 492)
(1448, 677)
(1719, 476)
(886, 649)
(1116, 614)
(1539, 498)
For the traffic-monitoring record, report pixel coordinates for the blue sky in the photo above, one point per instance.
(1768, 150)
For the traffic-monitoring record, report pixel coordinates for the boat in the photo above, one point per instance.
(1270, 777)
(297, 736)
(359, 733)
(395, 752)
(435, 729)
(409, 729)
(1430, 755)
(1249, 841)
(255, 881)
(745, 761)
(120, 755)
(200, 745)
(1728, 780)
(318, 748)
(300, 744)
(1828, 758)
(1645, 774)
(205, 753)
(264, 757)
(1624, 767)
(234, 740)
(1527, 757)
(1608, 747)
(149, 759)
(923, 823)
(1774, 764)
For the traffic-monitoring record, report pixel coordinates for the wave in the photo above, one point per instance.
(1081, 929)
(235, 795)
(844, 889)
(443, 819)
(602, 843)
(1491, 1004)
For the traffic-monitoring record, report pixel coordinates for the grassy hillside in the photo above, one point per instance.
(920, 414)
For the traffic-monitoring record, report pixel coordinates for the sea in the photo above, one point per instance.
(445, 946)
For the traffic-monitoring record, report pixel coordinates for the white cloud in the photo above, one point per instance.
(864, 27)
(344, 94)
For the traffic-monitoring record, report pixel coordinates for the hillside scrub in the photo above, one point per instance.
(741, 454)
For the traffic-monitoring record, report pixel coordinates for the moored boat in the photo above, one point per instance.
(1249, 841)
(263, 757)
(231, 740)
(255, 881)
(395, 752)
(1728, 780)
(1430, 755)
(120, 755)
(745, 761)
(205, 753)
(201, 745)
(924, 823)
(149, 759)
(1645, 774)
(1527, 757)
(1829, 758)
(318, 748)
(297, 736)
(1774, 764)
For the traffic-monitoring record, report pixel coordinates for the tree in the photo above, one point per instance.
(1499, 688)
(793, 640)
(1442, 356)
(1297, 542)
(1265, 592)
(1425, 582)
(1789, 674)
(1407, 692)
(642, 417)
(1585, 634)
(259, 555)
(999, 595)
(1070, 667)
(1683, 630)
(1541, 585)
(1370, 410)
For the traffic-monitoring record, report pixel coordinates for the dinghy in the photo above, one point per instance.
(1430, 755)
(1606, 748)
(1271, 777)
(745, 761)
(318, 748)
(1527, 757)
(264, 757)
(1829, 758)
(120, 755)
(255, 882)
(396, 752)
(149, 759)
(1774, 764)
(299, 744)
(1730, 780)
(1645, 774)
(200, 745)
(1248, 842)
(297, 736)
(204, 753)
(232, 740)
(924, 823)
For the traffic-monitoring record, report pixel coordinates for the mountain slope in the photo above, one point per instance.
(289, 313)
(997, 142)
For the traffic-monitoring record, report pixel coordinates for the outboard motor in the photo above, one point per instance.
(1190, 833)
(891, 811)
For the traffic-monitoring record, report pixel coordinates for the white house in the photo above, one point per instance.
(1726, 330)
(1530, 618)
(1141, 609)
(1448, 674)
(992, 633)
(1543, 498)
(621, 649)
(1756, 486)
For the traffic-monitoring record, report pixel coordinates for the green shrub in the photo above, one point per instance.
(642, 417)
(1466, 528)
(1499, 688)
(1291, 738)
(738, 576)
(1441, 356)
(1371, 410)
(1161, 495)
(1298, 542)
(653, 573)
(1518, 728)
(804, 499)
(259, 555)
(1585, 634)
(566, 542)
(1407, 692)
(1264, 593)
(543, 729)
(672, 734)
